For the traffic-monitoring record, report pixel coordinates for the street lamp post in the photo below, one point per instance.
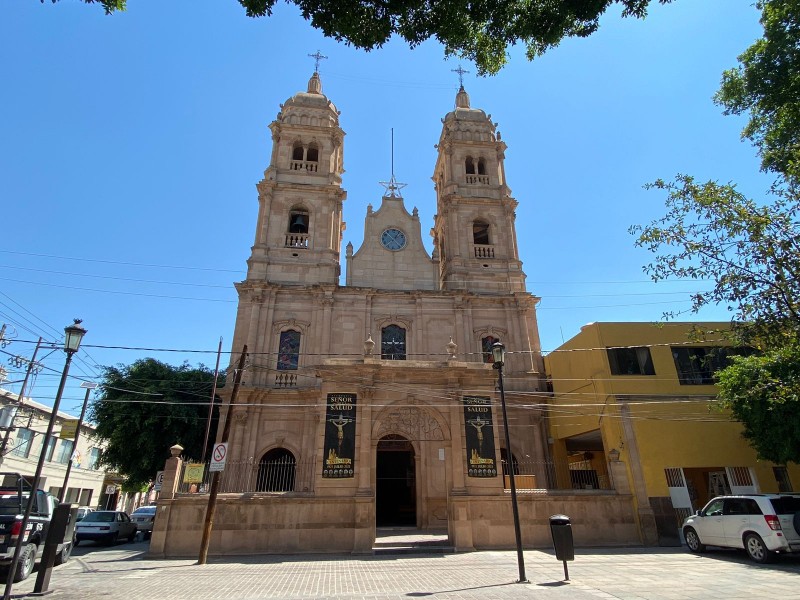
(89, 387)
(499, 358)
(73, 335)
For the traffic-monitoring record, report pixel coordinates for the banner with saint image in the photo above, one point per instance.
(479, 433)
(340, 436)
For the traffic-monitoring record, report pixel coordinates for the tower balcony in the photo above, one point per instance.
(310, 166)
(297, 240)
(483, 250)
(478, 179)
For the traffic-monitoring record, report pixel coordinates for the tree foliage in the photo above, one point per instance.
(477, 30)
(749, 252)
(766, 87)
(763, 392)
(147, 407)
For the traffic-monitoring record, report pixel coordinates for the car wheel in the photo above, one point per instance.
(148, 535)
(132, 536)
(77, 541)
(756, 549)
(25, 564)
(693, 540)
(111, 539)
(64, 555)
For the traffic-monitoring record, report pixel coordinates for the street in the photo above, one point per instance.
(122, 571)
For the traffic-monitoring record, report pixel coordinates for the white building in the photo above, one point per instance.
(21, 446)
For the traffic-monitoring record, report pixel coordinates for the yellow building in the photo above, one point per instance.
(636, 402)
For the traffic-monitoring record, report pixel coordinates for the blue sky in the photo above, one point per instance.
(130, 146)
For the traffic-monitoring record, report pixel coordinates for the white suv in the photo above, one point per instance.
(762, 524)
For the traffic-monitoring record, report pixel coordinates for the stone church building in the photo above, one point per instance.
(374, 403)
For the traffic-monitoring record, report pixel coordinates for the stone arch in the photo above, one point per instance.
(412, 421)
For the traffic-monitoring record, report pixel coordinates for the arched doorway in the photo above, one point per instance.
(276, 471)
(395, 483)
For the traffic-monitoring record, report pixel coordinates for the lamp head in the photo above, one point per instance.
(73, 335)
(498, 354)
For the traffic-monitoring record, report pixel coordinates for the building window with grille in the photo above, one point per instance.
(64, 452)
(486, 348)
(94, 458)
(393, 343)
(22, 445)
(51, 446)
(630, 361)
(289, 350)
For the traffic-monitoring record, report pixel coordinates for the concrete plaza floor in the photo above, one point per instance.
(122, 571)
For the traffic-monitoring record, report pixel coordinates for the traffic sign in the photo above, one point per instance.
(218, 457)
(159, 481)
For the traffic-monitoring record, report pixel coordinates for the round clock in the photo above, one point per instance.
(393, 239)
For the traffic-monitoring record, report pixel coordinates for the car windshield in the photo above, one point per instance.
(99, 517)
(145, 510)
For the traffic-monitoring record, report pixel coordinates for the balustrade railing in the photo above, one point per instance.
(297, 240)
(482, 179)
(484, 251)
(304, 165)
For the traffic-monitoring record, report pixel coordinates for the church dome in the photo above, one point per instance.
(463, 111)
(312, 99)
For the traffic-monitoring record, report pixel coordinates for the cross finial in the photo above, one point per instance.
(461, 73)
(318, 56)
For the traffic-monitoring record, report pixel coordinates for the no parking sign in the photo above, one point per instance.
(218, 457)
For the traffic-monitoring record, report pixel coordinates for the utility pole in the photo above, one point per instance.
(21, 398)
(212, 496)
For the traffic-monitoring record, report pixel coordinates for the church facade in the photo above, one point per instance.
(374, 403)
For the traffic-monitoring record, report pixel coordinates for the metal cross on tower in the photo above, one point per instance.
(392, 186)
(318, 56)
(461, 73)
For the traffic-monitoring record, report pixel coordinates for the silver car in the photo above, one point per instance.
(105, 526)
(144, 517)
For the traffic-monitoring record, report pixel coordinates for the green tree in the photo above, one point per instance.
(749, 252)
(147, 407)
(762, 393)
(480, 30)
(766, 87)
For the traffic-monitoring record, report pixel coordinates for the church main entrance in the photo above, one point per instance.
(395, 483)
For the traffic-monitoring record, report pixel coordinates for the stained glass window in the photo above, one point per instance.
(393, 343)
(289, 350)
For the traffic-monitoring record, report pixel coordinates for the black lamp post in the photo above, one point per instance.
(73, 335)
(499, 359)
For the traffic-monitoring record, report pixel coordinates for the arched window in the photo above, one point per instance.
(480, 232)
(289, 350)
(298, 221)
(297, 151)
(470, 166)
(486, 348)
(276, 471)
(481, 167)
(313, 153)
(393, 343)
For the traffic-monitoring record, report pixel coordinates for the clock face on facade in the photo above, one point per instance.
(393, 239)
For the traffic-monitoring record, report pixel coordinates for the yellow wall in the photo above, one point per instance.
(674, 425)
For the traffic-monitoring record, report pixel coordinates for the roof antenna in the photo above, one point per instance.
(392, 186)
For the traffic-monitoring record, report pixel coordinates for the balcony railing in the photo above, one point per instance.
(484, 251)
(479, 179)
(297, 240)
(304, 165)
(552, 475)
(286, 379)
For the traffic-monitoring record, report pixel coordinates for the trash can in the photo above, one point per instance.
(561, 529)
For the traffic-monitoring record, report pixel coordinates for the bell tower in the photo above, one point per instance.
(299, 227)
(474, 228)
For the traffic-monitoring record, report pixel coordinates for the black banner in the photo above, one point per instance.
(339, 453)
(479, 431)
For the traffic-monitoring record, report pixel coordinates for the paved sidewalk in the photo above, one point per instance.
(630, 574)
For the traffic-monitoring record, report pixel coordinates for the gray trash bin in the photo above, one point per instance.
(561, 529)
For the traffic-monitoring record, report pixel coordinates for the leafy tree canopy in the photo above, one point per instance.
(762, 393)
(477, 30)
(766, 87)
(749, 252)
(147, 407)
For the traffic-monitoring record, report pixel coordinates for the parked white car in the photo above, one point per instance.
(762, 524)
(105, 526)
